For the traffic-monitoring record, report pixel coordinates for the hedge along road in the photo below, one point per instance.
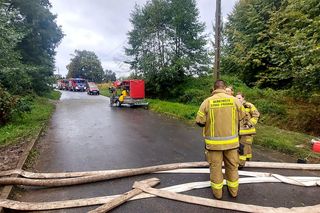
(85, 134)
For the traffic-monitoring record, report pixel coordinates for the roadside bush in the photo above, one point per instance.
(7, 104)
(285, 109)
(12, 105)
(268, 107)
(23, 105)
(193, 96)
(16, 80)
(315, 99)
(307, 120)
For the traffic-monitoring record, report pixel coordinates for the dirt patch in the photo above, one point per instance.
(10, 155)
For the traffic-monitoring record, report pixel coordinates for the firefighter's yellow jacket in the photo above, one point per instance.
(220, 114)
(123, 95)
(247, 126)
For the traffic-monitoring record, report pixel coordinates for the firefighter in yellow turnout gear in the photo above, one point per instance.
(220, 115)
(247, 129)
(123, 95)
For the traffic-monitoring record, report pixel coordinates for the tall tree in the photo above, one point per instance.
(85, 64)
(295, 39)
(166, 44)
(272, 43)
(189, 41)
(13, 74)
(42, 36)
(246, 52)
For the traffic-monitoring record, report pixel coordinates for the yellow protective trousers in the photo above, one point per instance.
(246, 151)
(231, 162)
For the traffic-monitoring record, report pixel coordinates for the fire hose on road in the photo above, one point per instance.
(168, 192)
(23, 206)
(111, 174)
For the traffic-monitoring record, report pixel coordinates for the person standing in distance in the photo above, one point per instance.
(219, 115)
(247, 130)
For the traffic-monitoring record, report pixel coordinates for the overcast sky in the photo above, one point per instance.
(101, 26)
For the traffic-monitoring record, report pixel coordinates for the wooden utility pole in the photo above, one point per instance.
(216, 73)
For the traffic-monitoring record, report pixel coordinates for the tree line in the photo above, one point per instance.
(29, 36)
(274, 43)
(266, 43)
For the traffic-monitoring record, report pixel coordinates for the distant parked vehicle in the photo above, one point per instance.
(92, 89)
(63, 84)
(77, 84)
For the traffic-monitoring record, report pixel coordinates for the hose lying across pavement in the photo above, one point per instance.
(32, 206)
(86, 177)
(129, 172)
(152, 169)
(221, 204)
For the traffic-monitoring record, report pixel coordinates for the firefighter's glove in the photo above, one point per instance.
(241, 149)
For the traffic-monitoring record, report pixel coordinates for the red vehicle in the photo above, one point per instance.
(132, 93)
(77, 84)
(92, 89)
(63, 84)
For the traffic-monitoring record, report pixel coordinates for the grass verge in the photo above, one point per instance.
(27, 126)
(177, 110)
(53, 95)
(104, 89)
(292, 143)
(104, 92)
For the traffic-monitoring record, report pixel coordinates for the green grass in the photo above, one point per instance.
(285, 141)
(177, 110)
(28, 126)
(53, 95)
(267, 136)
(104, 92)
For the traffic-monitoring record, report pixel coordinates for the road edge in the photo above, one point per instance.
(7, 190)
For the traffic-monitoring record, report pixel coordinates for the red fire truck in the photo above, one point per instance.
(63, 84)
(128, 93)
(77, 84)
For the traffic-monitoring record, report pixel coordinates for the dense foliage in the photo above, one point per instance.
(29, 36)
(85, 64)
(12, 105)
(277, 107)
(274, 43)
(166, 44)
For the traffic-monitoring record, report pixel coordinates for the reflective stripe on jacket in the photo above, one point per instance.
(220, 114)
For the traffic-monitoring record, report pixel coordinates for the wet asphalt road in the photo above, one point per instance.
(86, 134)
